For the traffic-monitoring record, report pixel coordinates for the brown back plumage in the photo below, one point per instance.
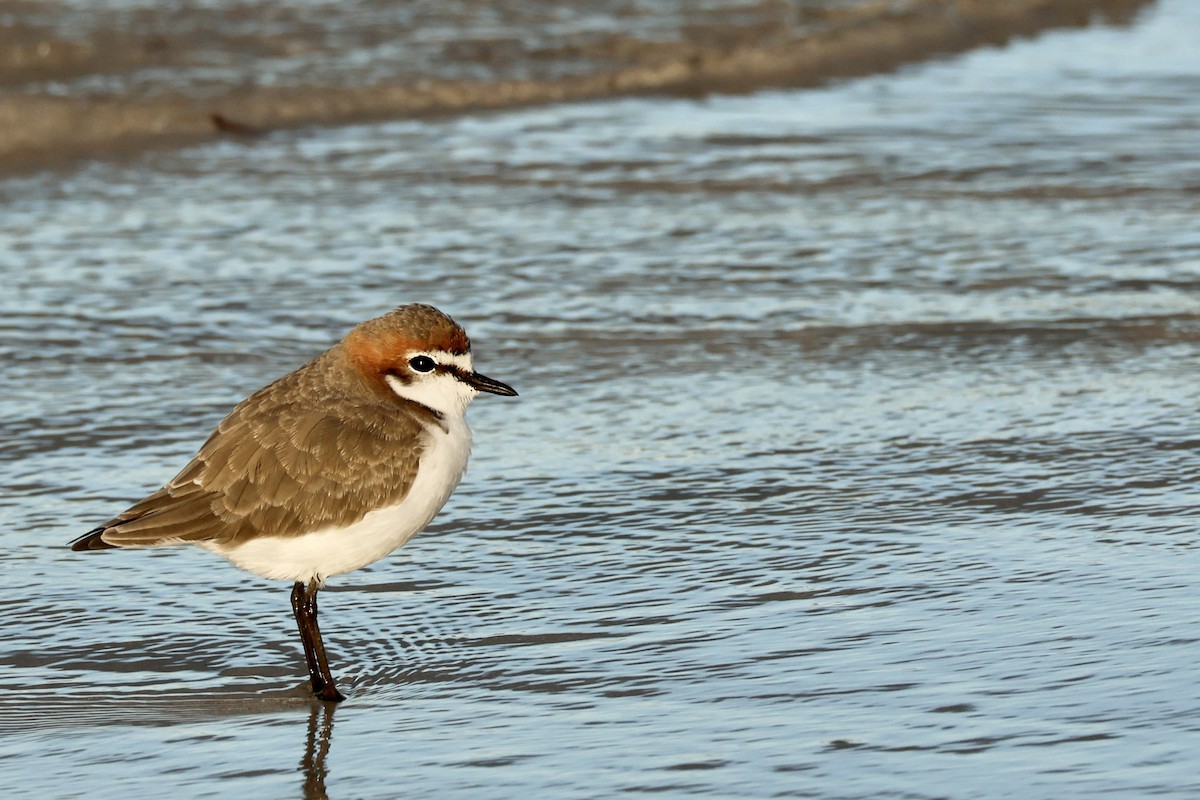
(319, 447)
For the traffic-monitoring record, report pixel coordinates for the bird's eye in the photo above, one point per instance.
(422, 363)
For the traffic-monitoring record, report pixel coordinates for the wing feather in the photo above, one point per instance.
(293, 457)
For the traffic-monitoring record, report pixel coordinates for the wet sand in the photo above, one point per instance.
(81, 84)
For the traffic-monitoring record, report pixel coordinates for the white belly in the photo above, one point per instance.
(334, 551)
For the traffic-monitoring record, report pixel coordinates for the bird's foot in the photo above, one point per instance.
(328, 693)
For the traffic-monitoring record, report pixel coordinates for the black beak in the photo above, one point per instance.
(485, 384)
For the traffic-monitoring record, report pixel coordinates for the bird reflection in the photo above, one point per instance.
(316, 751)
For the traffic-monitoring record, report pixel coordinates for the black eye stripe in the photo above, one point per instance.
(424, 365)
(452, 369)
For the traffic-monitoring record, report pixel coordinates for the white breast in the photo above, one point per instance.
(333, 551)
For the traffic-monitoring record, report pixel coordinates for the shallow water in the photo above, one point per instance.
(854, 454)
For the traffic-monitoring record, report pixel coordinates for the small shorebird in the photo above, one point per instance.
(327, 469)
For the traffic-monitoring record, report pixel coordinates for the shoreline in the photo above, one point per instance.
(43, 131)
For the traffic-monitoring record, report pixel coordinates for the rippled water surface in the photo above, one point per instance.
(854, 457)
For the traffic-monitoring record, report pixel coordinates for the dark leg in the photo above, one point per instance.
(304, 606)
(301, 613)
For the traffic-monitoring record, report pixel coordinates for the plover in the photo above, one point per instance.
(329, 468)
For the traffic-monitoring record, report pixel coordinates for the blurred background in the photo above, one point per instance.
(81, 78)
(856, 345)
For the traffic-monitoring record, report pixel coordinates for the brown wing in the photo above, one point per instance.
(291, 458)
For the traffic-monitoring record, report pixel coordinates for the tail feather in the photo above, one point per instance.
(92, 540)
